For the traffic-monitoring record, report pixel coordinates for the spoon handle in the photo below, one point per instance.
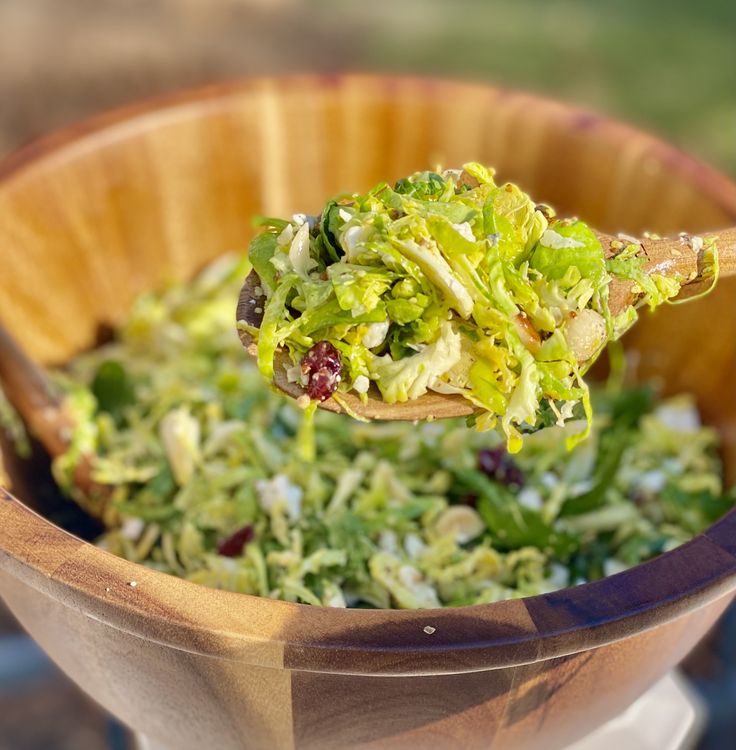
(684, 255)
(32, 395)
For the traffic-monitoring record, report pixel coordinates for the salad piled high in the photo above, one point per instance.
(207, 477)
(450, 283)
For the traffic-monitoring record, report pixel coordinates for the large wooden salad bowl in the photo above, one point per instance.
(91, 216)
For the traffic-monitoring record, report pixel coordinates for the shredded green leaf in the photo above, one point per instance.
(197, 449)
(449, 282)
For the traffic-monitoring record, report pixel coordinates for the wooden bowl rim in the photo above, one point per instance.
(296, 636)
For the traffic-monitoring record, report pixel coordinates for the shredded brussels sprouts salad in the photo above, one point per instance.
(209, 479)
(451, 283)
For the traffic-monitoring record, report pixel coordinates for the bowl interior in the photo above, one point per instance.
(92, 216)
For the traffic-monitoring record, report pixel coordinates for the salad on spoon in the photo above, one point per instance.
(449, 295)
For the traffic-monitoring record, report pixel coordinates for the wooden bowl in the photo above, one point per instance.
(91, 216)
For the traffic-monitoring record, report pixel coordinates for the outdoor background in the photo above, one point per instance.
(665, 65)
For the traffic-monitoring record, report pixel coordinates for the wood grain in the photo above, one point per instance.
(92, 216)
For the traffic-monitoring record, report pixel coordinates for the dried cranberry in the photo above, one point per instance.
(322, 364)
(497, 464)
(322, 355)
(233, 545)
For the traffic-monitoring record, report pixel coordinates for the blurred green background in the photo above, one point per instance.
(667, 66)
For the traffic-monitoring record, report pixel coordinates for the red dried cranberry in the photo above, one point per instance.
(322, 364)
(234, 545)
(496, 464)
(322, 384)
(322, 355)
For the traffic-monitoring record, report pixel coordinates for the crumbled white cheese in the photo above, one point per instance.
(414, 546)
(453, 174)
(556, 241)
(300, 219)
(558, 575)
(567, 410)
(293, 374)
(132, 528)
(680, 416)
(530, 498)
(652, 481)
(361, 384)
(344, 215)
(549, 479)
(388, 541)
(279, 491)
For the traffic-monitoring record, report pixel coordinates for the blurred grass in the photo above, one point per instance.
(666, 66)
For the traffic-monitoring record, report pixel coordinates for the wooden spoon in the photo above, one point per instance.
(678, 258)
(43, 411)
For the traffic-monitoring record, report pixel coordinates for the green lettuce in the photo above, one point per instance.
(197, 451)
(476, 290)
